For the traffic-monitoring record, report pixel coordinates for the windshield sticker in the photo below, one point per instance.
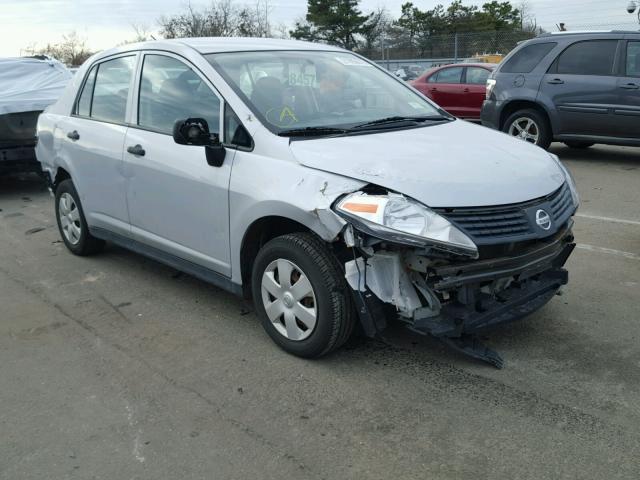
(302, 80)
(284, 117)
(351, 61)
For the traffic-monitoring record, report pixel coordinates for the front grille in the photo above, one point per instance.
(509, 223)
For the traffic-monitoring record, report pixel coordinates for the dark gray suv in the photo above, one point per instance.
(578, 88)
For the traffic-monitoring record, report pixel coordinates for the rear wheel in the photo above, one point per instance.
(579, 145)
(301, 296)
(71, 221)
(530, 126)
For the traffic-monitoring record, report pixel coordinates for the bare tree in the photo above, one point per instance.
(72, 50)
(223, 18)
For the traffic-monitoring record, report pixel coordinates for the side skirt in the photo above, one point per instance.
(178, 263)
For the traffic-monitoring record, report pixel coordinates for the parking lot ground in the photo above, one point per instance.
(117, 367)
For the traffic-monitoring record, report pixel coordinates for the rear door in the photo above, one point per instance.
(93, 137)
(627, 113)
(178, 203)
(445, 87)
(475, 90)
(583, 87)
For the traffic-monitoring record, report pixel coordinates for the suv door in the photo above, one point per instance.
(93, 137)
(628, 111)
(178, 203)
(445, 88)
(582, 85)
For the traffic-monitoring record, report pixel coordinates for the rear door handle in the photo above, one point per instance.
(136, 150)
(630, 86)
(466, 90)
(556, 81)
(74, 135)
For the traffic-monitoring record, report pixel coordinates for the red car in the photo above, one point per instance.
(460, 88)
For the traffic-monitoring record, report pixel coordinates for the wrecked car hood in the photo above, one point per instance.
(455, 164)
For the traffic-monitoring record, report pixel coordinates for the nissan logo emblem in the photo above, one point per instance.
(543, 220)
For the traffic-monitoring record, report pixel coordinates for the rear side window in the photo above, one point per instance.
(448, 75)
(170, 91)
(477, 75)
(111, 89)
(593, 57)
(527, 58)
(633, 59)
(84, 102)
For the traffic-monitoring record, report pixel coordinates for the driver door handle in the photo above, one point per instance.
(556, 81)
(73, 135)
(136, 150)
(630, 86)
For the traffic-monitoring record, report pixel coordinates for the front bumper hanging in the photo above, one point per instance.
(456, 301)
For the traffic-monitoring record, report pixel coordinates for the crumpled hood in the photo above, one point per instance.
(456, 164)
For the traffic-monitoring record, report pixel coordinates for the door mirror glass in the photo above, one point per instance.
(193, 131)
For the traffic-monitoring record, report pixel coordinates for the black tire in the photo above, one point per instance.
(579, 145)
(86, 243)
(335, 316)
(545, 135)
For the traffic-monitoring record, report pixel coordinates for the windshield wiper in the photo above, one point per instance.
(312, 131)
(401, 119)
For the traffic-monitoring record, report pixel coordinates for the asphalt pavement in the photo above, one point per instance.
(117, 367)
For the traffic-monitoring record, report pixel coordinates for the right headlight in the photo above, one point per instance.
(399, 219)
(569, 179)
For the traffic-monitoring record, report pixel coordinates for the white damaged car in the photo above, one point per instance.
(315, 182)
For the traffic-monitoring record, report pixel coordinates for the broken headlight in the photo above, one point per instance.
(396, 218)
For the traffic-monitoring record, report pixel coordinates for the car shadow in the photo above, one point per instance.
(22, 184)
(602, 154)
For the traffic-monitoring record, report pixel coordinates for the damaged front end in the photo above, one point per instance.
(452, 273)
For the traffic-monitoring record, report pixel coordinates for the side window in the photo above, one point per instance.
(633, 59)
(593, 57)
(171, 91)
(477, 75)
(527, 58)
(234, 131)
(83, 108)
(449, 75)
(111, 89)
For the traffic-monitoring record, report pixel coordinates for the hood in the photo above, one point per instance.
(456, 164)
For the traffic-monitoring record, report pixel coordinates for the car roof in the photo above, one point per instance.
(206, 45)
(587, 32)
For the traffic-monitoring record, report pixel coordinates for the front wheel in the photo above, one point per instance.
(301, 296)
(530, 126)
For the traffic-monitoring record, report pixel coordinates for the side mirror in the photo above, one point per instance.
(195, 131)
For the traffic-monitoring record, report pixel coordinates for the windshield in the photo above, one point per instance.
(313, 89)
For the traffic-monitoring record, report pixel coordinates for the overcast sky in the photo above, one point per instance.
(105, 23)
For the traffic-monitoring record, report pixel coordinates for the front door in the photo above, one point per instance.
(177, 202)
(94, 135)
(445, 88)
(582, 85)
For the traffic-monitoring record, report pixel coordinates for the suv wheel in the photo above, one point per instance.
(579, 145)
(529, 125)
(71, 222)
(301, 296)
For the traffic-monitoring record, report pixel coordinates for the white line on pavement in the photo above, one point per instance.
(608, 219)
(609, 251)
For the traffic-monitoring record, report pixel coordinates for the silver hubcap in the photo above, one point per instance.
(69, 218)
(289, 299)
(525, 129)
